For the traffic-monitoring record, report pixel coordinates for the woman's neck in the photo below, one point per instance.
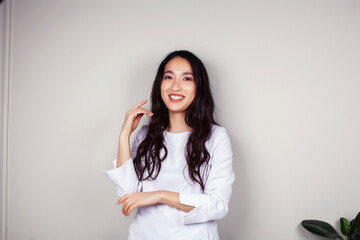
(177, 123)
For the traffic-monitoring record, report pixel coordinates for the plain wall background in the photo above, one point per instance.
(285, 78)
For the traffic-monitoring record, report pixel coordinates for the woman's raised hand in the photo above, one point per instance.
(133, 117)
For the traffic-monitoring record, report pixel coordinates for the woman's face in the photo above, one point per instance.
(178, 87)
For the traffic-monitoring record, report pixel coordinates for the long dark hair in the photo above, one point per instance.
(199, 116)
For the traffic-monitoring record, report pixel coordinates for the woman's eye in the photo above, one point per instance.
(167, 77)
(187, 79)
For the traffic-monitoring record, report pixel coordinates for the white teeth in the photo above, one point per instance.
(176, 97)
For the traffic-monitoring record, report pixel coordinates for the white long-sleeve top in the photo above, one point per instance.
(161, 221)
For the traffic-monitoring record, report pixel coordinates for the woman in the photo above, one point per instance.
(178, 173)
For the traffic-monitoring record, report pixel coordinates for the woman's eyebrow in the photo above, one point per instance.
(184, 73)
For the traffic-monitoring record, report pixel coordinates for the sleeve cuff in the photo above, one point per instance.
(194, 200)
(124, 177)
(190, 199)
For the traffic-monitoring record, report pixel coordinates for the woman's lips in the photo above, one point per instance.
(176, 97)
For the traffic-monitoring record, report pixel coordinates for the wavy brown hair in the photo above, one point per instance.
(199, 116)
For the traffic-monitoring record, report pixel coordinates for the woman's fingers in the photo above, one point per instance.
(133, 113)
(138, 199)
(129, 205)
(133, 117)
(121, 200)
(140, 104)
(142, 110)
(125, 200)
(130, 209)
(125, 206)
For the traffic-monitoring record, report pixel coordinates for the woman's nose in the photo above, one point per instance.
(176, 85)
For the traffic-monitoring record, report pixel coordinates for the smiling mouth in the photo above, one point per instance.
(176, 97)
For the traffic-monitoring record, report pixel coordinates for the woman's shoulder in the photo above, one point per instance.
(218, 131)
(218, 134)
(219, 139)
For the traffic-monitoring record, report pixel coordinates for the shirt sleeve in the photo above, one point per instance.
(124, 177)
(213, 203)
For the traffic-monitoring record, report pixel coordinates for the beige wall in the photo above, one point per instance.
(286, 80)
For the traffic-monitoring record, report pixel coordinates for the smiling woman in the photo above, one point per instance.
(178, 87)
(178, 172)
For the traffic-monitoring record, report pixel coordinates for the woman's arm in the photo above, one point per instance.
(212, 204)
(173, 199)
(139, 199)
(196, 207)
(124, 152)
(132, 120)
(123, 174)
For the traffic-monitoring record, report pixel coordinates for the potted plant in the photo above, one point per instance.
(350, 229)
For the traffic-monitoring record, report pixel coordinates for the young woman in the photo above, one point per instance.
(178, 172)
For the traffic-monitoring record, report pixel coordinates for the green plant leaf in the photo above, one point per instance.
(320, 228)
(344, 226)
(355, 225)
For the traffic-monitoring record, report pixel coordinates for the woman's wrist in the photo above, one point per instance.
(167, 197)
(161, 195)
(172, 199)
(124, 135)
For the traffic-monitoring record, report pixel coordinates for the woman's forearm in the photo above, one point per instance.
(131, 122)
(124, 152)
(139, 199)
(173, 199)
